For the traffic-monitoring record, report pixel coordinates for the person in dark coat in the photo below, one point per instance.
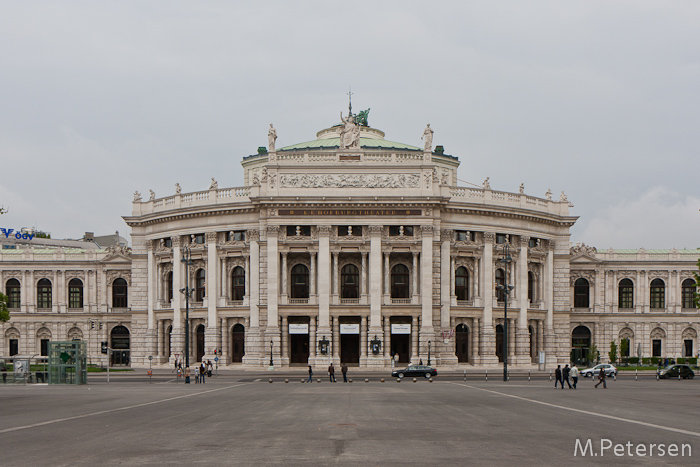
(331, 373)
(344, 369)
(311, 373)
(565, 376)
(601, 379)
(557, 377)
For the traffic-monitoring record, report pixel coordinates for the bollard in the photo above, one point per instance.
(398, 380)
(635, 375)
(550, 376)
(318, 380)
(381, 380)
(430, 380)
(528, 375)
(270, 380)
(465, 375)
(487, 374)
(366, 380)
(350, 380)
(286, 380)
(302, 380)
(414, 380)
(508, 375)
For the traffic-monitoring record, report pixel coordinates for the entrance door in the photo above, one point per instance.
(350, 348)
(120, 345)
(299, 348)
(237, 343)
(499, 342)
(401, 344)
(462, 343)
(200, 343)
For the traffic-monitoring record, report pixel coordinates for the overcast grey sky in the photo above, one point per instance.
(600, 99)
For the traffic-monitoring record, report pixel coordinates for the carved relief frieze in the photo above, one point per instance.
(177, 241)
(446, 235)
(375, 230)
(252, 235)
(626, 333)
(113, 275)
(658, 274)
(588, 275)
(235, 262)
(690, 333)
(75, 275)
(306, 180)
(466, 262)
(272, 178)
(324, 230)
(7, 275)
(582, 249)
(428, 179)
(489, 238)
(657, 333)
(117, 250)
(686, 275)
(211, 237)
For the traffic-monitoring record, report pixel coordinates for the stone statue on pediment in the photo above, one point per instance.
(178, 189)
(487, 185)
(522, 188)
(349, 132)
(428, 137)
(214, 184)
(137, 196)
(153, 195)
(548, 195)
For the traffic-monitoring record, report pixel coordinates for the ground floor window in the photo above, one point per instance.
(656, 348)
(14, 347)
(688, 346)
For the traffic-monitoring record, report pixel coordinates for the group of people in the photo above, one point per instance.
(562, 376)
(202, 371)
(331, 373)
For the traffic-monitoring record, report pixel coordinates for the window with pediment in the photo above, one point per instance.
(462, 283)
(350, 281)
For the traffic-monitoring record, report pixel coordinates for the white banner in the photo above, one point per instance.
(298, 328)
(401, 329)
(349, 328)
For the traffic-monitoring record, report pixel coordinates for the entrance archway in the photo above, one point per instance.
(237, 343)
(462, 343)
(401, 339)
(580, 345)
(200, 343)
(350, 343)
(121, 346)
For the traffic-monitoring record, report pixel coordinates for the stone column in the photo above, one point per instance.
(334, 275)
(336, 340)
(375, 288)
(387, 275)
(177, 342)
(513, 326)
(285, 341)
(522, 336)
(285, 276)
(414, 277)
(312, 339)
(324, 279)
(225, 343)
(272, 332)
(152, 287)
(363, 340)
(488, 335)
(414, 340)
(363, 278)
(312, 273)
(447, 271)
(550, 344)
(475, 334)
(252, 334)
(387, 337)
(212, 329)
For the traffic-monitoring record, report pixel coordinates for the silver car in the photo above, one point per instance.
(609, 370)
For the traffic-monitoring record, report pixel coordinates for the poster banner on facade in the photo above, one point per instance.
(298, 328)
(349, 328)
(401, 329)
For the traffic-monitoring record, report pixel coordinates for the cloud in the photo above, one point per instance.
(659, 218)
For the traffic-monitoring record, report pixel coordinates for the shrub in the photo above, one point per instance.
(645, 360)
(654, 360)
(693, 360)
(633, 360)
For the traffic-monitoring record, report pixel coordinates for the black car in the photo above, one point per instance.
(672, 371)
(415, 370)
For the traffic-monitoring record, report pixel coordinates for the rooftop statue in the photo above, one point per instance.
(349, 132)
(361, 118)
(428, 137)
(214, 184)
(178, 189)
(271, 138)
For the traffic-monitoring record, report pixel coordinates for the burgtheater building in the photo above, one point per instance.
(350, 248)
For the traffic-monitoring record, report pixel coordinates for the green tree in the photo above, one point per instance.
(594, 354)
(624, 348)
(613, 352)
(4, 312)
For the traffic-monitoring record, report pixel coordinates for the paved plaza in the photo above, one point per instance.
(245, 420)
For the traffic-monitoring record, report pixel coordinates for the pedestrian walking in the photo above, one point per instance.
(565, 376)
(344, 369)
(601, 379)
(202, 373)
(187, 374)
(331, 373)
(210, 367)
(420, 361)
(311, 374)
(4, 374)
(557, 377)
(574, 375)
(196, 374)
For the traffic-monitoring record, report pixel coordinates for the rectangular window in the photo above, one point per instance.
(626, 297)
(501, 238)
(44, 347)
(465, 236)
(656, 348)
(43, 297)
(534, 242)
(688, 344)
(199, 239)
(14, 347)
(298, 231)
(168, 242)
(401, 231)
(9, 247)
(75, 297)
(235, 236)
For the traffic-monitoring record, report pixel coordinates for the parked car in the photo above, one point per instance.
(672, 371)
(415, 370)
(609, 370)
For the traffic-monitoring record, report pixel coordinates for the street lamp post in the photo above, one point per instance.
(506, 288)
(428, 353)
(272, 365)
(187, 261)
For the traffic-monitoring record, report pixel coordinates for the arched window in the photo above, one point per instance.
(119, 293)
(121, 342)
(399, 282)
(43, 294)
(237, 283)
(581, 293)
(462, 283)
(462, 343)
(169, 286)
(200, 284)
(581, 344)
(300, 281)
(657, 294)
(13, 291)
(531, 286)
(349, 281)
(500, 281)
(75, 293)
(689, 288)
(626, 294)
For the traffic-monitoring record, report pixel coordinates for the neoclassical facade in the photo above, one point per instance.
(352, 248)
